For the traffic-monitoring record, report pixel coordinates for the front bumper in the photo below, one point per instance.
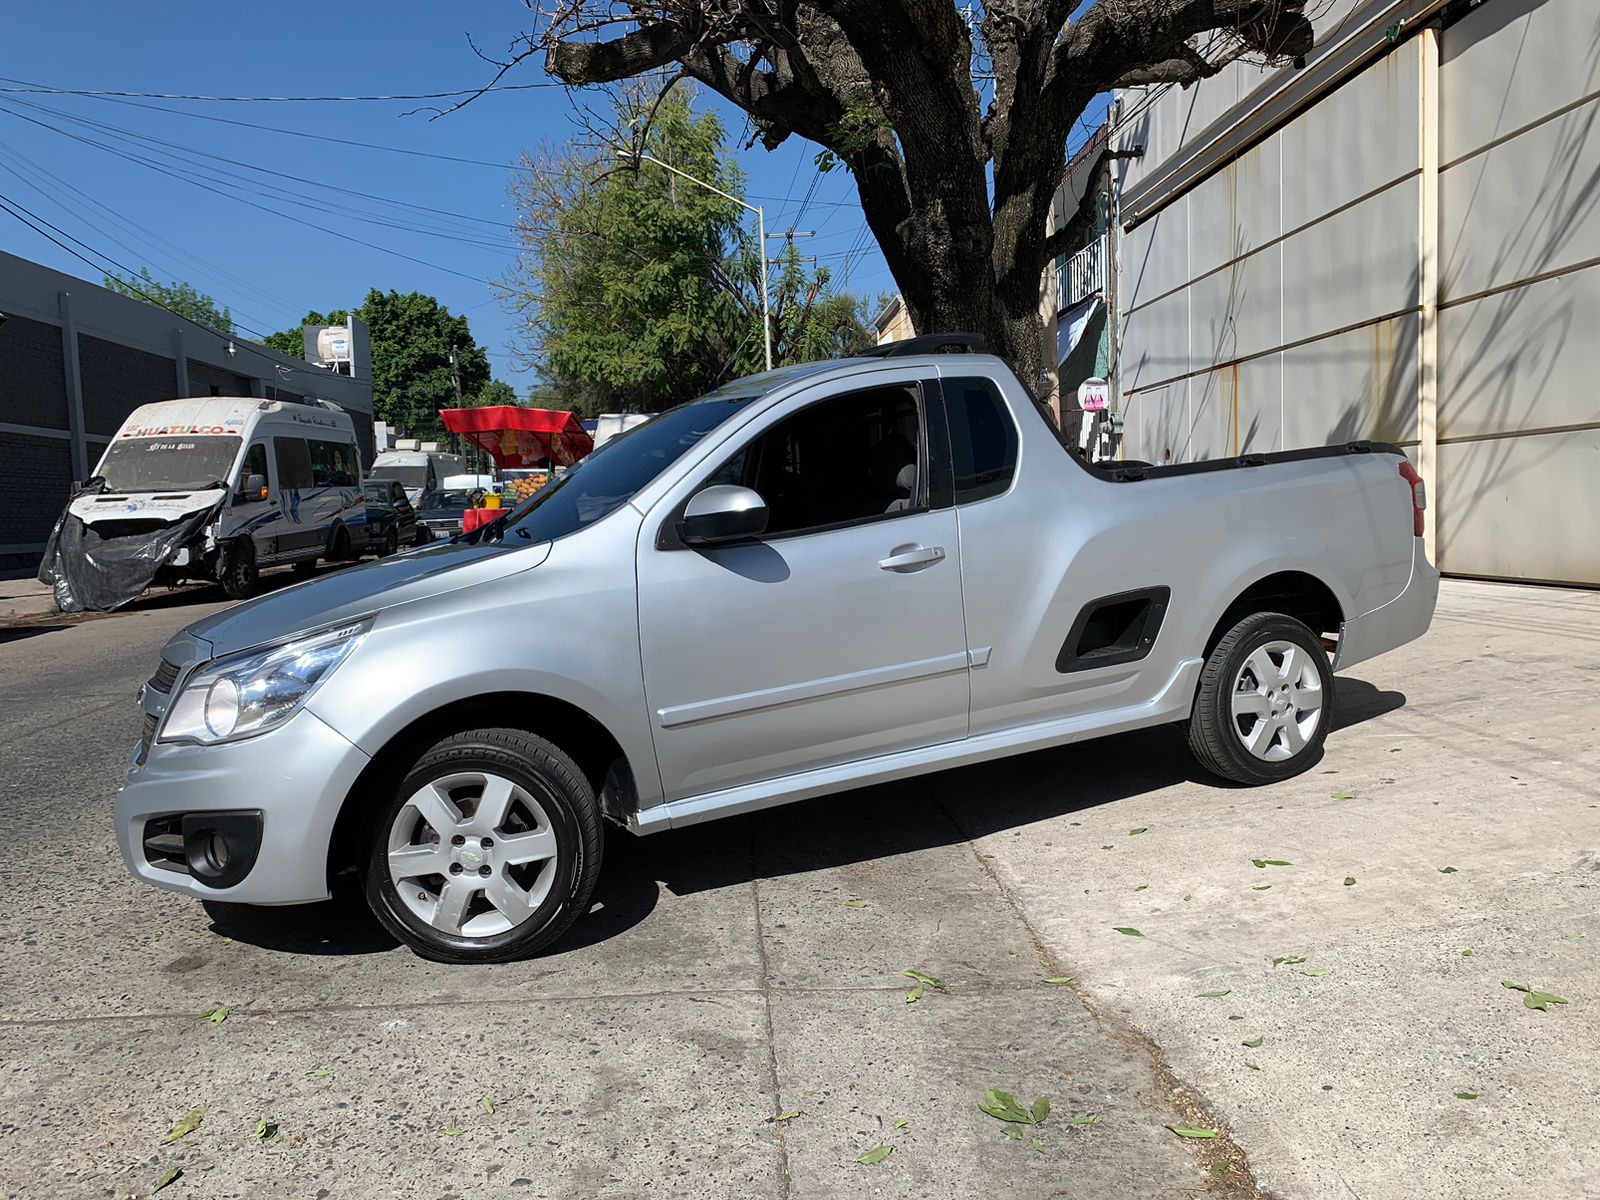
(1402, 620)
(298, 776)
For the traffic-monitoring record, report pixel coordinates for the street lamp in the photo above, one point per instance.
(761, 224)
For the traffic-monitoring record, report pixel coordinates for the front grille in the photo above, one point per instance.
(166, 675)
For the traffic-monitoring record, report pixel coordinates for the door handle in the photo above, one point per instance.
(911, 558)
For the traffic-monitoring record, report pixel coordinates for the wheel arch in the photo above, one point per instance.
(592, 746)
(1295, 593)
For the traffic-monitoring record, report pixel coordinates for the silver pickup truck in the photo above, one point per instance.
(814, 579)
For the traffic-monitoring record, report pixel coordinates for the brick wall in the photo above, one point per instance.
(33, 388)
(35, 482)
(203, 377)
(117, 379)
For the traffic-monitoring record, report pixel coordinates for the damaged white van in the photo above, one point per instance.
(210, 489)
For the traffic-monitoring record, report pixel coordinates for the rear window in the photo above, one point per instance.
(983, 438)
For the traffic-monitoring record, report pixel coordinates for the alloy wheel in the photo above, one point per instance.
(1277, 701)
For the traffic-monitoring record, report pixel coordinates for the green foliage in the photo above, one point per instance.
(496, 391)
(181, 298)
(412, 337)
(636, 288)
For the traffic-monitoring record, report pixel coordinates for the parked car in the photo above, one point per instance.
(821, 577)
(418, 471)
(391, 494)
(213, 488)
(441, 512)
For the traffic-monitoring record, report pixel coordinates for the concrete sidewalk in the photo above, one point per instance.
(24, 597)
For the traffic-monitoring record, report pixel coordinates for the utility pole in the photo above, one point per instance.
(761, 231)
(455, 378)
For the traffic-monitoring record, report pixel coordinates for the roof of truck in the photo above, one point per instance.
(200, 415)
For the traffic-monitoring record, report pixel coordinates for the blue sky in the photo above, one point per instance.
(268, 269)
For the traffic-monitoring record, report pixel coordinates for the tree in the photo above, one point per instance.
(496, 391)
(181, 298)
(635, 288)
(956, 194)
(412, 339)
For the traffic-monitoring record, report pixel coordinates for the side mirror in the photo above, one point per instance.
(722, 513)
(255, 488)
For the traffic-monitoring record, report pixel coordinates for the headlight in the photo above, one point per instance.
(251, 692)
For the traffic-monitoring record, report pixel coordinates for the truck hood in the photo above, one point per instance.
(142, 506)
(358, 591)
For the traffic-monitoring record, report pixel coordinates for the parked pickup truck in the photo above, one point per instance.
(813, 579)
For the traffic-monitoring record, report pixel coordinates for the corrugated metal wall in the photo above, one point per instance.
(1278, 303)
(1518, 489)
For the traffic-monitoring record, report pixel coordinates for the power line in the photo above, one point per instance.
(22, 85)
(186, 156)
(32, 220)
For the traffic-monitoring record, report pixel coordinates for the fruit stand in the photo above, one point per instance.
(528, 442)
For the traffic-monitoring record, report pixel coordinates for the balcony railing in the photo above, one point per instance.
(1082, 275)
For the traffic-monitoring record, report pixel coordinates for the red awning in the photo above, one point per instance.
(521, 437)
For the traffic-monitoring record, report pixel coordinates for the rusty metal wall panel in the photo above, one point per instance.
(1359, 384)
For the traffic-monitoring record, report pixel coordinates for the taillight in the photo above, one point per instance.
(1419, 495)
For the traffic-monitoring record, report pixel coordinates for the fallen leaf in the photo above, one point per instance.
(1038, 1145)
(1289, 960)
(1012, 1132)
(1187, 1132)
(900, 1122)
(1138, 831)
(924, 980)
(1040, 1110)
(1542, 1000)
(267, 1131)
(1315, 972)
(1573, 937)
(487, 1105)
(1142, 887)
(1188, 897)
(914, 995)
(1129, 930)
(1076, 822)
(1271, 862)
(1108, 847)
(792, 1114)
(852, 904)
(1466, 1095)
(185, 1127)
(1341, 796)
(1216, 995)
(1049, 843)
(876, 1155)
(1059, 979)
(1218, 1169)
(1466, 954)
(1252, 1066)
(166, 1179)
(985, 857)
(319, 1073)
(1084, 1122)
(1447, 870)
(1349, 881)
(1003, 1106)
(215, 1015)
(1254, 1043)
(1262, 887)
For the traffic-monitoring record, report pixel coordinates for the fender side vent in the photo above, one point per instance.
(1114, 629)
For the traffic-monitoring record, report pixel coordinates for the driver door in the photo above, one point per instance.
(835, 636)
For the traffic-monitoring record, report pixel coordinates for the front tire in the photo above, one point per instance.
(1265, 698)
(487, 851)
(391, 542)
(239, 573)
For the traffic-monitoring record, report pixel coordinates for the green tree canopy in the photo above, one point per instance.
(412, 339)
(181, 298)
(635, 288)
(496, 391)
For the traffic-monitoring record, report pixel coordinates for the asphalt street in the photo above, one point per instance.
(730, 1021)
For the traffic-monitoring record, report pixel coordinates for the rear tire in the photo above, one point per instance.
(391, 542)
(239, 574)
(339, 545)
(499, 806)
(1264, 702)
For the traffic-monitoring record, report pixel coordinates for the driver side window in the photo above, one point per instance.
(255, 463)
(851, 458)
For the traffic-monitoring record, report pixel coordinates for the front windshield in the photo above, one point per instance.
(447, 500)
(405, 476)
(610, 477)
(185, 464)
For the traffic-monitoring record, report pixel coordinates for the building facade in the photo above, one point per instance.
(1399, 241)
(76, 359)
